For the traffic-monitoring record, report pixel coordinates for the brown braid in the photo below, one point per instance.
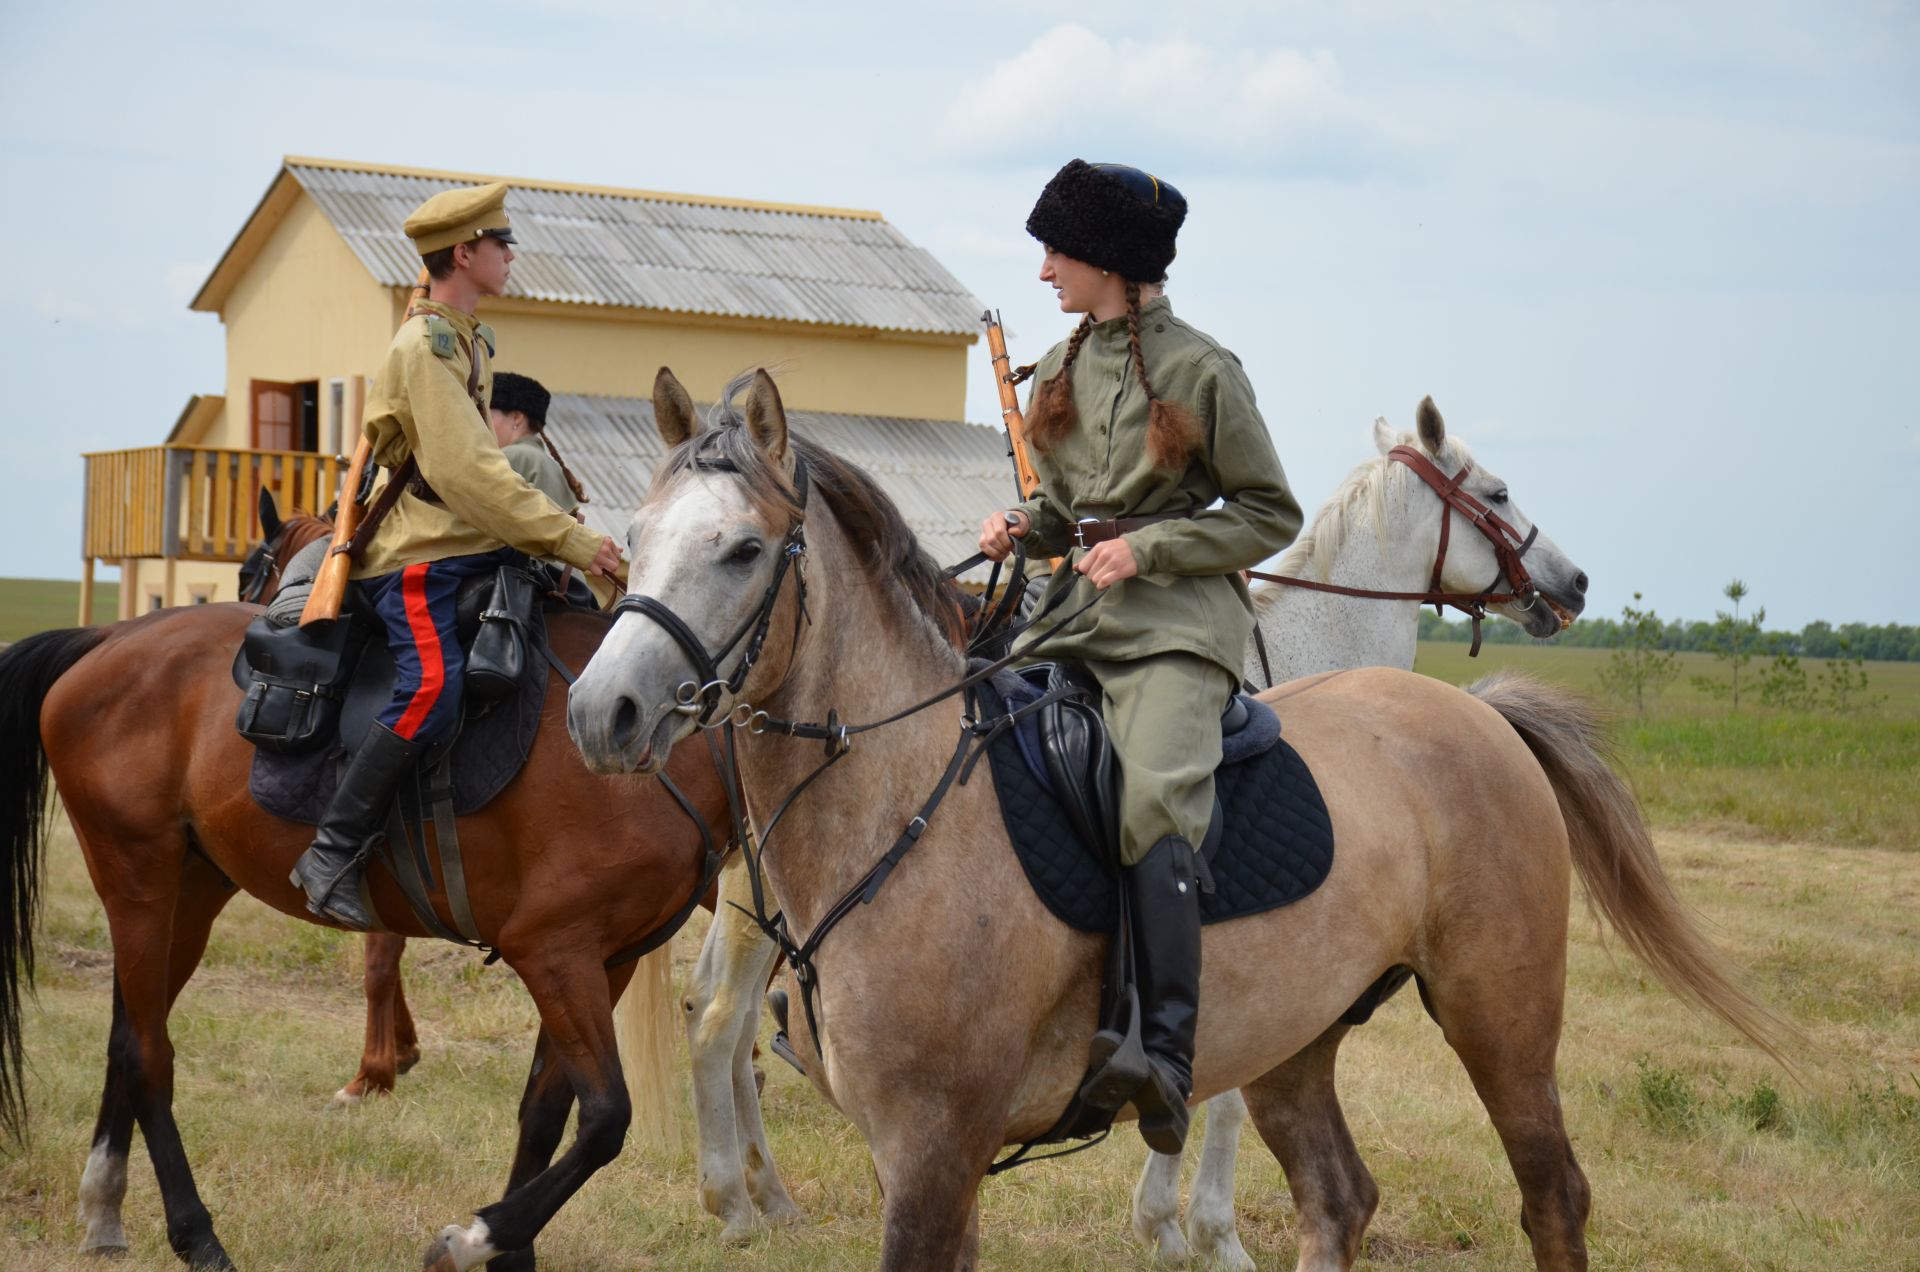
(1053, 414)
(1172, 436)
(573, 483)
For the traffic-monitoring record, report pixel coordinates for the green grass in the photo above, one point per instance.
(34, 605)
(1693, 760)
(1701, 1153)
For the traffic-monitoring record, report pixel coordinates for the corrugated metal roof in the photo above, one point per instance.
(944, 474)
(594, 248)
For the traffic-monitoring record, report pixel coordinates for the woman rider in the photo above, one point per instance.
(1158, 475)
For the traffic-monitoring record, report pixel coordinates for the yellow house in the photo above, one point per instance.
(869, 333)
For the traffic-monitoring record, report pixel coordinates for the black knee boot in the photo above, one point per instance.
(1165, 897)
(330, 869)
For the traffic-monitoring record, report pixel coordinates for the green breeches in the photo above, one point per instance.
(1163, 718)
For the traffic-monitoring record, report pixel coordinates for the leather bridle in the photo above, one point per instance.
(701, 698)
(1509, 547)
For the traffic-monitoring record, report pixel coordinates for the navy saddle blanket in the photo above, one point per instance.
(490, 748)
(1276, 844)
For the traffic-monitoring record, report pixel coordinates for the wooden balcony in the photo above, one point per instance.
(195, 503)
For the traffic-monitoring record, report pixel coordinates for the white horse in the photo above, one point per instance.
(1379, 531)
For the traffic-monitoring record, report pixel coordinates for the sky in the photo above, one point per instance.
(1657, 264)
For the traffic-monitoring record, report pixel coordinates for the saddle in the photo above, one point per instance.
(1270, 842)
(499, 624)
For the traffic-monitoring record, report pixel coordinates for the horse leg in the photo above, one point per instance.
(544, 1107)
(1212, 1228)
(1156, 1205)
(103, 1184)
(1505, 1027)
(159, 929)
(381, 1058)
(1297, 1112)
(576, 1015)
(723, 1014)
(931, 1203)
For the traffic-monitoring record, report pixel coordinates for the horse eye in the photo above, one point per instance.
(745, 553)
(1498, 496)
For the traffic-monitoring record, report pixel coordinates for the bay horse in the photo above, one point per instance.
(955, 1010)
(134, 723)
(391, 1044)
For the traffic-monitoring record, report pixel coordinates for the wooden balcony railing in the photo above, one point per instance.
(196, 503)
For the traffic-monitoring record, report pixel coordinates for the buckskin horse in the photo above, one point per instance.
(135, 724)
(954, 1011)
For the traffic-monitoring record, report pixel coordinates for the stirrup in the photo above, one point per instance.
(1117, 1064)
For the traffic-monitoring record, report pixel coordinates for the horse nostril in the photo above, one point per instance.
(626, 722)
(1580, 583)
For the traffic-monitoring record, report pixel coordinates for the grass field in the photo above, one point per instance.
(1701, 1153)
(33, 605)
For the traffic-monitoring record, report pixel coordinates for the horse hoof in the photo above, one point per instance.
(344, 1098)
(783, 1214)
(105, 1252)
(740, 1230)
(458, 1248)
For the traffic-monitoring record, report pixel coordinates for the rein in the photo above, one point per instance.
(1508, 548)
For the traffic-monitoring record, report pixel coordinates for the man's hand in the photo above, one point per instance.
(606, 562)
(1107, 563)
(998, 532)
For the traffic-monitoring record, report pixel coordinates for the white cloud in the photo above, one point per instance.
(1280, 111)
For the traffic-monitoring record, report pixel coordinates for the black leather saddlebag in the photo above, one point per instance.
(299, 677)
(498, 658)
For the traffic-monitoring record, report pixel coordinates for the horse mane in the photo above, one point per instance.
(882, 541)
(1364, 490)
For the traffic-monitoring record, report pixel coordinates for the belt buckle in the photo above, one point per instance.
(1080, 530)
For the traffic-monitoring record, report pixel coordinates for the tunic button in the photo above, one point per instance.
(1159, 326)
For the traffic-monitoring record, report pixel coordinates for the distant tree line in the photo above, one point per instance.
(1878, 642)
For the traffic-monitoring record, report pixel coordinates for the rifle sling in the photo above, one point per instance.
(407, 475)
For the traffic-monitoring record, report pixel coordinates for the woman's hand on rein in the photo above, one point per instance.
(998, 532)
(1107, 563)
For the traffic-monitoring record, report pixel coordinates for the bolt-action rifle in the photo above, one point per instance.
(330, 584)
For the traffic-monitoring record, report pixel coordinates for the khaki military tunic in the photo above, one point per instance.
(1167, 645)
(541, 471)
(419, 407)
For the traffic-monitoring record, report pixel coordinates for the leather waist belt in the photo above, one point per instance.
(1091, 530)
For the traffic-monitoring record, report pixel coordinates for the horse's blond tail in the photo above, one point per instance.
(643, 1028)
(1613, 852)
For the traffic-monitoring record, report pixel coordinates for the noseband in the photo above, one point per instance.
(1508, 549)
(702, 698)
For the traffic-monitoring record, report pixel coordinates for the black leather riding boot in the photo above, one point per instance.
(330, 869)
(1165, 897)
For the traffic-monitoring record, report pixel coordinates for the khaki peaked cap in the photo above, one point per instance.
(459, 216)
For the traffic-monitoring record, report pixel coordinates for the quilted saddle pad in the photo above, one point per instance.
(1276, 844)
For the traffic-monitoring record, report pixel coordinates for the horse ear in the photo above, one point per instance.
(1433, 429)
(1383, 435)
(673, 412)
(766, 417)
(269, 515)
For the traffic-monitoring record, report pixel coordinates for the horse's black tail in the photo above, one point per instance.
(28, 671)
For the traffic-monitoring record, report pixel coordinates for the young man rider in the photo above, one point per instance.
(465, 513)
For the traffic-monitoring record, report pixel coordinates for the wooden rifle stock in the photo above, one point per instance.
(1016, 423)
(330, 584)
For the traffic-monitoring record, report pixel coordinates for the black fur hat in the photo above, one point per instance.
(522, 393)
(1110, 215)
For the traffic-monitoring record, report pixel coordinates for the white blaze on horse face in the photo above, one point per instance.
(621, 709)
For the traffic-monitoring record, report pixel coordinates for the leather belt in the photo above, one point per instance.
(1091, 530)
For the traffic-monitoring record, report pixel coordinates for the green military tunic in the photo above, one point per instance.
(541, 471)
(419, 406)
(1167, 645)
